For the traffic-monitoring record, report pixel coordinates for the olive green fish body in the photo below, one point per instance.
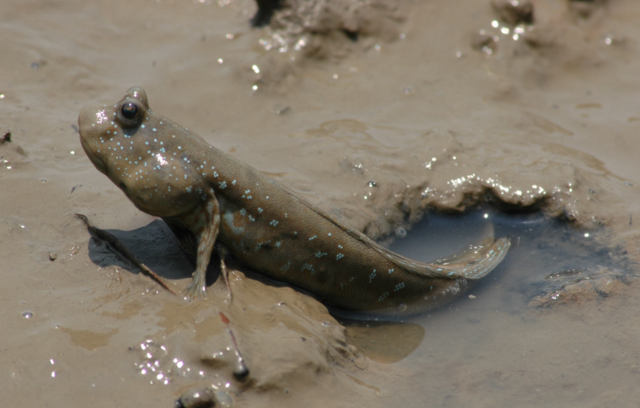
(203, 193)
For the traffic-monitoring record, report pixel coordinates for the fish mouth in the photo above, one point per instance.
(97, 162)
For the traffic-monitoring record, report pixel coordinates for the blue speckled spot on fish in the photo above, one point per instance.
(399, 286)
(383, 297)
(391, 271)
(251, 218)
(273, 223)
(278, 244)
(223, 185)
(339, 257)
(215, 173)
(260, 244)
(373, 275)
(313, 237)
(285, 267)
(308, 267)
(340, 246)
(320, 254)
(260, 210)
(243, 212)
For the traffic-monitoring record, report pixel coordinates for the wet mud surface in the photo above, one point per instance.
(384, 116)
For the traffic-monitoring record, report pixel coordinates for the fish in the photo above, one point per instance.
(207, 196)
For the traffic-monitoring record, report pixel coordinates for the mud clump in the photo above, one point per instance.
(544, 38)
(301, 30)
(266, 8)
(514, 12)
(346, 19)
(586, 8)
(597, 286)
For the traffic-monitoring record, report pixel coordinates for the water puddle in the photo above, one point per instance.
(549, 263)
(546, 256)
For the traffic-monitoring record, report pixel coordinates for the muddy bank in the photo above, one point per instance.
(441, 109)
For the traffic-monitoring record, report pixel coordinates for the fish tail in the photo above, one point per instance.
(477, 267)
(471, 266)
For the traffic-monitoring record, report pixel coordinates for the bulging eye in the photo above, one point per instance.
(130, 114)
(129, 110)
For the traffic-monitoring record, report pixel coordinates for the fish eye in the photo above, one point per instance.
(129, 110)
(131, 114)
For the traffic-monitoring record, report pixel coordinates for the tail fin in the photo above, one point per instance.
(468, 267)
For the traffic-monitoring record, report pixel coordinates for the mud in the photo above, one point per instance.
(436, 106)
